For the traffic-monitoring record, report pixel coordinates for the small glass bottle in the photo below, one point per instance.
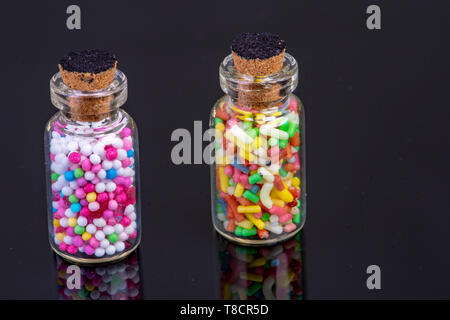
(91, 161)
(258, 179)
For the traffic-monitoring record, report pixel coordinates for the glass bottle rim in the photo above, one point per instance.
(60, 92)
(229, 76)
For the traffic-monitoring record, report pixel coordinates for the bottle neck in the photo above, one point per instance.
(259, 93)
(89, 106)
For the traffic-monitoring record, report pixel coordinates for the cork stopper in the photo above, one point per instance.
(88, 70)
(258, 54)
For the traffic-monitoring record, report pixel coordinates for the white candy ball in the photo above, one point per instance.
(129, 209)
(99, 252)
(89, 175)
(82, 221)
(99, 223)
(121, 172)
(73, 185)
(90, 228)
(108, 230)
(67, 191)
(117, 143)
(121, 154)
(94, 206)
(68, 239)
(99, 235)
(55, 204)
(95, 158)
(55, 148)
(110, 250)
(60, 158)
(132, 216)
(63, 222)
(101, 174)
(104, 243)
(86, 149)
(99, 148)
(106, 164)
(118, 228)
(129, 230)
(110, 186)
(72, 146)
(120, 246)
(69, 213)
(123, 236)
(95, 295)
(117, 164)
(100, 187)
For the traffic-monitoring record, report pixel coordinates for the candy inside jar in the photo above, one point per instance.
(258, 187)
(92, 165)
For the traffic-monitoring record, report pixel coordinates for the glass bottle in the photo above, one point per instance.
(91, 161)
(258, 177)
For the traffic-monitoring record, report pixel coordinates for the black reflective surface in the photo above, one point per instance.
(378, 148)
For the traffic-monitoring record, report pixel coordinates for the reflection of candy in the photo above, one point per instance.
(264, 273)
(118, 281)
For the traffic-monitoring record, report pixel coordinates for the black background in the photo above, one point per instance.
(377, 137)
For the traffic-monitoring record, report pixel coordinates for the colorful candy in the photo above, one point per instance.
(93, 192)
(258, 167)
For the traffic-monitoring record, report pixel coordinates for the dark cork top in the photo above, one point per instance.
(258, 45)
(88, 61)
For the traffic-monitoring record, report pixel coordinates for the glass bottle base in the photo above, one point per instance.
(94, 261)
(258, 242)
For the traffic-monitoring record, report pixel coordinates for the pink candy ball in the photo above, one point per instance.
(125, 132)
(52, 157)
(86, 165)
(72, 249)
(119, 189)
(127, 144)
(80, 193)
(102, 197)
(78, 241)
(62, 246)
(108, 214)
(228, 170)
(90, 187)
(89, 250)
(81, 181)
(126, 163)
(111, 153)
(70, 231)
(127, 182)
(112, 205)
(121, 197)
(94, 242)
(95, 180)
(133, 235)
(84, 211)
(84, 202)
(125, 221)
(111, 222)
(96, 168)
(74, 157)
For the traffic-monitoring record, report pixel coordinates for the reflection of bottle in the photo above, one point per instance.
(119, 281)
(261, 273)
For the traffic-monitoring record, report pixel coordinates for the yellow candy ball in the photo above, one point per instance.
(72, 222)
(91, 197)
(295, 182)
(86, 236)
(56, 223)
(220, 127)
(89, 286)
(60, 236)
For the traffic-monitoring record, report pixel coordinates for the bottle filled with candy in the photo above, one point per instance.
(91, 160)
(258, 176)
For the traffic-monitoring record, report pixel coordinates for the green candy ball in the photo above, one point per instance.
(73, 198)
(113, 237)
(78, 173)
(78, 229)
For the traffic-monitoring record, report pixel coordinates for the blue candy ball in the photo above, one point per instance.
(75, 207)
(69, 176)
(130, 153)
(111, 173)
